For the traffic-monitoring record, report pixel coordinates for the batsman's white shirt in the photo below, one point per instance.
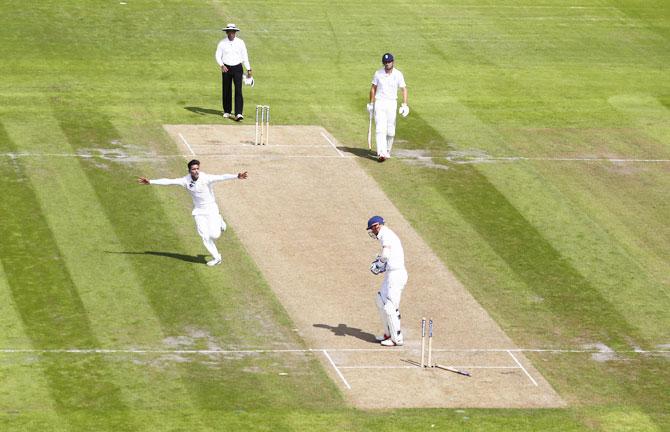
(396, 254)
(232, 53)
(395, 277)
(388, 83)
(201, 190)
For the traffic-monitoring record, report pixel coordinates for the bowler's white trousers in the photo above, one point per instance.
(209, 226)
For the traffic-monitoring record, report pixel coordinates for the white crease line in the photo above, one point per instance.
(336, 369)
(274, 156)
(332, 144)
(379, 367)
(419, 367)
(384, 350)
(523, 368)
(186, 142)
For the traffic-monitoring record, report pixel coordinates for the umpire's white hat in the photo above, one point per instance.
(230, 27)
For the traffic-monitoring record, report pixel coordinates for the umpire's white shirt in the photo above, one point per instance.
(232, 53)
(396, 257)
(201, 190)
(388, 84)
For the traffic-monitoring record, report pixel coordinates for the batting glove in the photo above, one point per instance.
(377, 267)
(371, 107)
(404, 110)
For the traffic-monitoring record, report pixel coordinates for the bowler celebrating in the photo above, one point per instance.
(200, 185)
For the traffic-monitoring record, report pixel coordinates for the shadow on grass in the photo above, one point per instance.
(199, 259)
(204, 111)
(344, 330)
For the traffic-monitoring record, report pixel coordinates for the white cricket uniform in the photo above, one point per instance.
(208, 220)
(386, 104)
(394, 282)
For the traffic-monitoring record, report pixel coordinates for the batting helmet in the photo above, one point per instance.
(375, 220)
(387, 58)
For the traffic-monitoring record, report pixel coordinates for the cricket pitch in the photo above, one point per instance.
(301, 215)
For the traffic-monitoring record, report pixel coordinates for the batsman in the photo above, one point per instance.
(391, 262)
(383, 104)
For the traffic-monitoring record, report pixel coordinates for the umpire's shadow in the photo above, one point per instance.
(199, 259)
(344, 330)
(203, 111)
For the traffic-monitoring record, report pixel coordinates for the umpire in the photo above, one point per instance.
(231, 54)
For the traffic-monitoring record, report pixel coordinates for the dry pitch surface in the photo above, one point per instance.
(302, 215)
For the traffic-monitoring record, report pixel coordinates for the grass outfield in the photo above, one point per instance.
(564, 253)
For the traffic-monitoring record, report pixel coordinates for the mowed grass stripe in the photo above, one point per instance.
(22, 385)
(622, 236)
(12, 333)
(49, 305)
(106, 282)
(551, 203)
(583, 309)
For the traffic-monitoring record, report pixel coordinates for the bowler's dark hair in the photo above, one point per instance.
(193, 162)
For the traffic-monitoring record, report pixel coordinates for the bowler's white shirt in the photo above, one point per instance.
(232, 53)
(201, 190)
(389, 239)
(388, 83)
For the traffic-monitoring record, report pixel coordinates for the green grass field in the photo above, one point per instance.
(563, 252)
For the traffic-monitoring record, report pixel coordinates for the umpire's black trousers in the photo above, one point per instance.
(234, 75)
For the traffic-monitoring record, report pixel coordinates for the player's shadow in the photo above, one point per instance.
(204, 111)
(345, 330)
(198, 259)
(360, 152)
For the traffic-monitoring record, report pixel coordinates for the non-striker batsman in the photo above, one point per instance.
(383, 104)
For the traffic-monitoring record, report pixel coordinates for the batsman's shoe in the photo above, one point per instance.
(389, 343)
(226, 115)
(382, 338)
(239, 117)
(215, 261)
